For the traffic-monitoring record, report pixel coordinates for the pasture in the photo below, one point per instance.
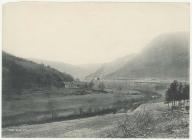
(44, 105)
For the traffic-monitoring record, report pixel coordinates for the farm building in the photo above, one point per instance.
(69, 85)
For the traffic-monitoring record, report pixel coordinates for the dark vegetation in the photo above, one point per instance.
(19, 73)
(177, 94)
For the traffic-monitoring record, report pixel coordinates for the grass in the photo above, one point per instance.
(45, 105)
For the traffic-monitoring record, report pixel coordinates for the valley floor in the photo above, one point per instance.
(167, 124)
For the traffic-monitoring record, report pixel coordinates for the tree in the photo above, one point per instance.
(101, 86)
(186, 93)
(168, 97)
(172, 93)
(176, 93)
(91, 84)
(180, 92)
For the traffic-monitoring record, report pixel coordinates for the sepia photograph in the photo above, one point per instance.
(95, 69)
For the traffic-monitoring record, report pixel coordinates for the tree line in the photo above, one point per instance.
(177, 94)
(20, 73)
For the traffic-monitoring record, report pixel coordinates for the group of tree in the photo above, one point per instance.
(177, 94)
(21, 73)
(99, 86)
(91, 84)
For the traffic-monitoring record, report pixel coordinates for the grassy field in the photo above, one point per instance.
(45, 105)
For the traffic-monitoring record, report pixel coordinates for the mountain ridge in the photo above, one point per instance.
(166, 56)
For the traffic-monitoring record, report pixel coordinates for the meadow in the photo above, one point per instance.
(44, 105)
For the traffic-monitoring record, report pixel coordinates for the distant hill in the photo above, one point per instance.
(165, 57)
(21, 73)
(78, 71)
(110, 67)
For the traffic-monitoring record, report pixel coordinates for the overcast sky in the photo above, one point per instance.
(80, 33)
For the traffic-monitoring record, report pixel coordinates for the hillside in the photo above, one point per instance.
(165, 57)
(20, 73)
(110, 67)
(78, 71)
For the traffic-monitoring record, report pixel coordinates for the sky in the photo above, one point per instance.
(84, 33)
